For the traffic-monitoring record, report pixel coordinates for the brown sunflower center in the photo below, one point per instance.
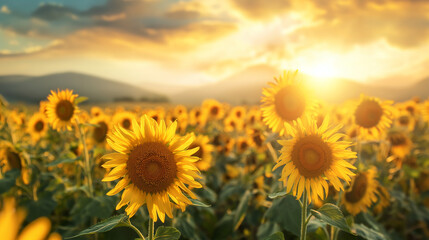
(312, 156)
(64, 110)
(243, 145)
(155, 117)
(38, 127)
(368, 114)
(152, 167)
(197, 113)
(214, 110)
(358, 189)
(257, 139)
(410, 109)
(404, 120)
(238, 114)
(100, 132)
(126, 123)
(13, 159)
(397, 139)
(199, 153)
(290, 103)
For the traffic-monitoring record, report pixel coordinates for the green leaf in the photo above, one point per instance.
(80, 100)
(276, 236)
(198, 203)
(368, 233)
(278, 194)
(60, 161)
(104, 226)
(167, 233)
(8, 180)
(286, 211)
(332, 215)
(240, 213)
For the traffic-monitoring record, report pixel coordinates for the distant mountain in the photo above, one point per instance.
(33, 89)
(240, 88)
(246, 86)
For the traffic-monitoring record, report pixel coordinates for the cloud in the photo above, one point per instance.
(261, 9)
(4, 9)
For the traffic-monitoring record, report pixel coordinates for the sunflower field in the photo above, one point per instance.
(292, 167)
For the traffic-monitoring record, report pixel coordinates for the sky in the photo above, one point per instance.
(383, 42)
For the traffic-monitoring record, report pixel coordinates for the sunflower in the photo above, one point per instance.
(213, 109)
(12, 218)
(238, 112)
(400, 143)
(61, 109)
(425, 110)
(313, 156)
(405, 120)
(157, 114)
(124, 119)
(37, 126)
(99, 132)
(372, 116)
(96, 111)
(253, 116)
(257, 139)
(362, 193)
(197, 117)
(11, 158)
(204, 152)
(232, 124)
(154, 166)
(285, 102)
(242, 144)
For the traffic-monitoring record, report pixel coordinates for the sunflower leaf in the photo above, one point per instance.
(104, 226)
(367, 233)
(8, 180)
(60, 161)
(276, 236)
(167, 233)
(278, 194)
(332, 215)
(198, 203)
(80, 100)
(240, 213)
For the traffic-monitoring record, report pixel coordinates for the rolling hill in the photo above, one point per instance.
(30, 89)
(246, 88)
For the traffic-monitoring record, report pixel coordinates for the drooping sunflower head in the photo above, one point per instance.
(372, 116)
(124, 119)
(400, 144)
(314, 156)
(61, 109)
(11, 158)
(155, 166)
(213, 109)
(285, 102)
(204, 152)
(37, 126)
(383, 199)
(362, 193)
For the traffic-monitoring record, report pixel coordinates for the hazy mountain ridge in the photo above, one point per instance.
(246, 88)
(33, 89)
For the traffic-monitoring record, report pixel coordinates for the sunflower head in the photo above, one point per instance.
(314, 156)
(99, 132)
(96, 111)
(11, 158)
(400, 144)
(362, 193)
(204, 152)
(213, 109)
(372, 116)
(37, 126)
(156, 167)
(61, 109)
(285, 102)
(124, 119)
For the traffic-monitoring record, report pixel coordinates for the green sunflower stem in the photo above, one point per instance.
(87, 163)
(304, 217)
(151, 229)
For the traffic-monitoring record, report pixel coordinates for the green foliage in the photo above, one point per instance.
(167, 233)
(332, 215)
